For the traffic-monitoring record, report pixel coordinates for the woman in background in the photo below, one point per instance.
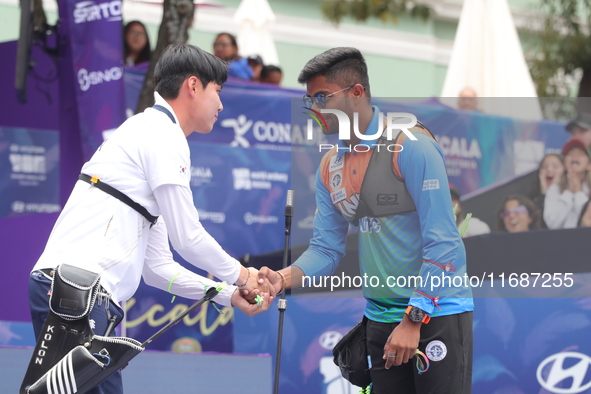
(225, 47)
(136, 44)
(568, 193)
(518, 213)
(550, 170)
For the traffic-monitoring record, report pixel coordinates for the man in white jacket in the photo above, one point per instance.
(146, 159)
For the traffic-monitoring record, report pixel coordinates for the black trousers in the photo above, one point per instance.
(447, 342)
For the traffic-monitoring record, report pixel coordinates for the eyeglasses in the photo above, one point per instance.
(136, 33)
(518, 210)
(320, 98)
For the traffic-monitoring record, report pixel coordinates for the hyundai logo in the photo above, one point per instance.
(558, 375)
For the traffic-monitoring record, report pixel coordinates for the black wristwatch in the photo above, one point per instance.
(417, 315)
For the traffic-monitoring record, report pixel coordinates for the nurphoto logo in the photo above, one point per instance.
(393, 121)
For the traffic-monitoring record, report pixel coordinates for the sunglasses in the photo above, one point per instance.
(320, 98)
(519, 210)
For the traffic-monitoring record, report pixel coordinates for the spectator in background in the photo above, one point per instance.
(585, 218)
(255, 62)
(551, 167)
(569, 192)
(467, 100)
(475, 225)
(518, 213)
(248, 68)
(580, 128)
(136, 44)
(225, 47)
(272, 75)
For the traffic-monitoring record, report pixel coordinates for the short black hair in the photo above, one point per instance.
(344, 66)
(268, 70)
(180, 61)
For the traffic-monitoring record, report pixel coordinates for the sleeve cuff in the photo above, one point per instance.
(225, 296)
(422, 303)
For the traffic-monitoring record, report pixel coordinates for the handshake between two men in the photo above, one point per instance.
(262, 287)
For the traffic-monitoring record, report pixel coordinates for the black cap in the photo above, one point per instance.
(583, 120)
(259, 60)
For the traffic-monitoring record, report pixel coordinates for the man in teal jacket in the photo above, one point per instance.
(410, 247)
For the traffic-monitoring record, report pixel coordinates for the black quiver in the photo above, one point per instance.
(69, 357)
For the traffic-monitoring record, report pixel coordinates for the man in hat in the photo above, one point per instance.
(248, 68)
(580, 128)
(255, 62)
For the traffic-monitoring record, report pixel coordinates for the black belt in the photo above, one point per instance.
(120, 196)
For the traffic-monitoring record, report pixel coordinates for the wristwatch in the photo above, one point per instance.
(417, 315)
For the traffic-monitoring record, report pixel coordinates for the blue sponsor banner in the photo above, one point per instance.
(133, 77)
(254, 116)
(521, 346)
(532, 346)
(29, 171)
(93, 30)
(240, 195)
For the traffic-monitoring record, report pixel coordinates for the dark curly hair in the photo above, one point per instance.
(532, 210)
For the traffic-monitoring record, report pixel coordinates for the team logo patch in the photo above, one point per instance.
(339, 195)
(436, 350)
(336, 180)
(431, 184)
(387, 199)
(336, 163)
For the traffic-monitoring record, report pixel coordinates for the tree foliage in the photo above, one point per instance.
(362, 10)
(562, 52)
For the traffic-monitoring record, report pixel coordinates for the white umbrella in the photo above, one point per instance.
(488, 58)
(254, 18)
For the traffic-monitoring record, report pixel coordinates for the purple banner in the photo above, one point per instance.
(94, 31)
